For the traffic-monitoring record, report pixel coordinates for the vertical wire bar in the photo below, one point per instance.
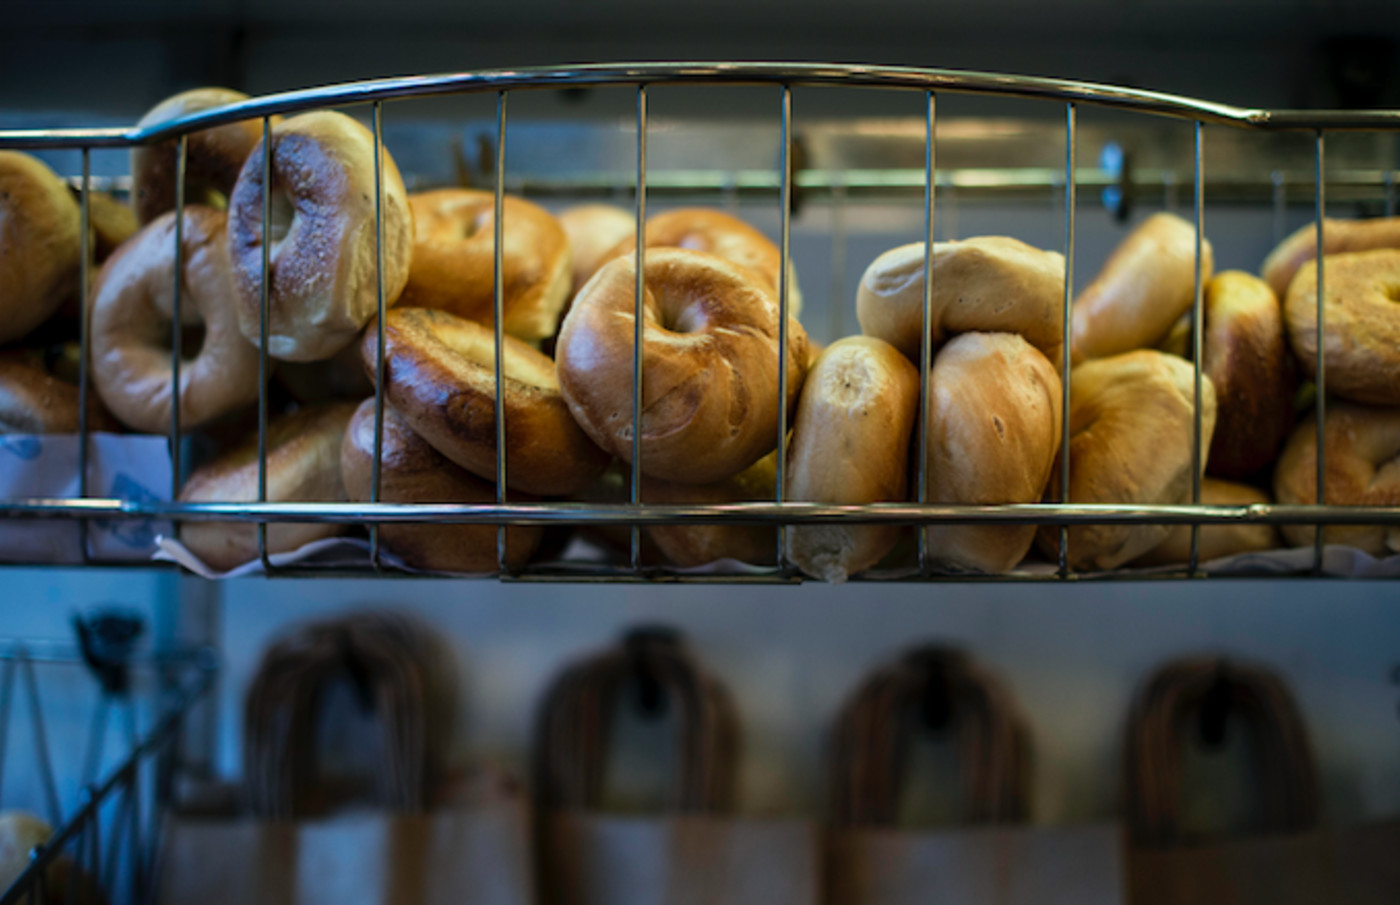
(784, 287)
(176, 326)
(1320, 205)
(263, 317)
(41, 742)
(926, 325)
(836, 313)
(498, 301)
(1071, 194)
(84, 278)
(1280, 202)
(638, 327)
(1197, 334)
(376, 114)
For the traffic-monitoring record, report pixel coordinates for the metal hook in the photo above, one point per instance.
(936, 699)
(1215, 710)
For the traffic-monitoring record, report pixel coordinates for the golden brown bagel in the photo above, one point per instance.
(213, 157)
(411, 471)
(440, 375)
(1148, 282)
(324, 284)
(1130, 442)
(594, 230)
(1246, 356)
(850, 444)
(1363, 324)
(1338, 236)
(454, 261)
(303, 465)
(709, 230)
(40, 244)
(131, 310)
(1363, 469)
(987, 283)
(709, 364)
(1216, 541)
(695, 545)
(36, 400)
(994, 432)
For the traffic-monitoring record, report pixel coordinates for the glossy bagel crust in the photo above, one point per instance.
(1148, 282)
(1362, 295)
(994, 433)
(594, 230)
(688, 546)
(40, 244)
(440, 375)
(709, 364)
(1216, 541)
(303, 465)
(213, 157)
(411, 471)
(34, 400)
(1131, 427)
(708, 230)
(132, 307)
(987, 284)
(1338, 236)
(324, 273)
(1363, 469)
(454, 261)
(850, 444)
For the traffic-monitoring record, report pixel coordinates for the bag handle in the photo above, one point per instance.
(1198, 694)
(575, 724)
(943, 689)
(401, 676)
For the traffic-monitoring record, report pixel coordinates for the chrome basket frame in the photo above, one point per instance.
(780, 512)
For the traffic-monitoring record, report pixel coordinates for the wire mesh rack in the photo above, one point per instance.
(102, 847)
(780, 512)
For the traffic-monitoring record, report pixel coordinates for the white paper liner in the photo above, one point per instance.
(124, 466)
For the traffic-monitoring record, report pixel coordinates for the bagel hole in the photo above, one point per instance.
(191, 339)
(470, 228)
(1392, 292)
(283, 213)
(205, 193)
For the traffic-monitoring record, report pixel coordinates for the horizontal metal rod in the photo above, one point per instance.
(598, 74)
(753, 513)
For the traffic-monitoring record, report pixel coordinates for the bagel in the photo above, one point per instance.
(1363, 324)
(411, 471)
(594, 230)
(709, 364)
(850, 444)
(324, 283)
(1338, 236)
(715, 232)
(40, 244)
(213, 157)
(1131, 426)
(1246, 355)
(1216, 541)
(994, 432)
(989, 284)
(688, 546)
(112, 222)
(36, 399)
(1148, 282)
(131, 310)
(454, 263)
(1363, 469)
(440, 375)
(303, 465)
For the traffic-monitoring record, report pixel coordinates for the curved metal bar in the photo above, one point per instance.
(747, 513)
(804, 74)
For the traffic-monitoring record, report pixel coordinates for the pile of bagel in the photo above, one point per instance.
(711, 376)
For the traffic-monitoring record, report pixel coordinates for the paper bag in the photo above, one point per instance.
(476, 856)
(1014, 866)
(604, 860)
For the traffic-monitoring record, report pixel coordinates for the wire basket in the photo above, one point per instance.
(780, 512)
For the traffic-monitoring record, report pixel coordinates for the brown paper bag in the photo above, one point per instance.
(1013, 866)
(477, 856)
(602, 860)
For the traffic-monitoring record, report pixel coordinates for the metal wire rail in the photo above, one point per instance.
(785, 76)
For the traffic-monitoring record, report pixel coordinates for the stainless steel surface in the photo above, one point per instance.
(1067, 337)
(784, 262)
(177, 323)
(498, 312)
(84, 339)
(1198, 465)
(639, 323)
(264, 295)
(1320, 381)
(379, 310)
(926, 316)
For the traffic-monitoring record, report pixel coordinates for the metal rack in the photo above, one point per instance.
(780, 512)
